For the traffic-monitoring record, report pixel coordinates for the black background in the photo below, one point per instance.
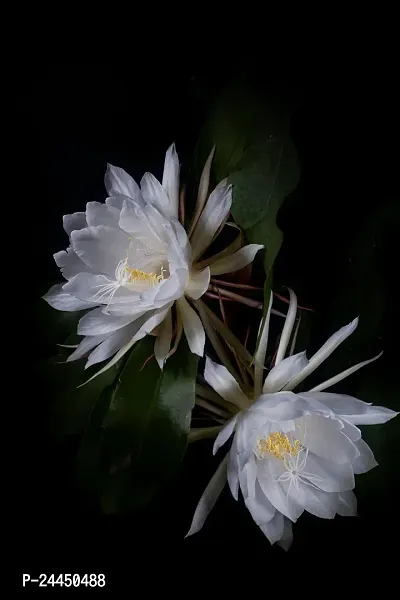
(74, 118)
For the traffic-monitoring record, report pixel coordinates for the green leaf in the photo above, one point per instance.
(254, 150)
(145, 431)
(68, 405)
(87, 470)
(238, 119)
(264, 177)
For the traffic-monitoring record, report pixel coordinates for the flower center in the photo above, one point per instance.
(138, 276)
(277, 444)
(125, 274)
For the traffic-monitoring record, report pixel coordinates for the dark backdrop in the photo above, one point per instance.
(71, 120)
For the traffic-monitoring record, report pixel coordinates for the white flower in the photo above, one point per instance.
(132, 259)
(291, 452)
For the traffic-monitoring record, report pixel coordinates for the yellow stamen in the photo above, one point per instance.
(278, 444)
(138, 276)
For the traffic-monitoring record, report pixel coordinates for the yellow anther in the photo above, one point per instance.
(138, 276)
(278, 444)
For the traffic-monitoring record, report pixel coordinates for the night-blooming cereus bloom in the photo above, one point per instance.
(291, 451)
(130, 259)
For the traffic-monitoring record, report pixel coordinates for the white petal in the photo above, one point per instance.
(209, 498)
(170, 180)
(275, 491)
(247, 430)
(323, 353)
(352, 432)
(135, 221)
(70, 263)
(219, 378)
(233, 474)
(155, 319)
(274, 529)
(280, 406)
(154, 194)
(323, 437)
(177, 257)
(75, 221)
(287, 328)
(182, 240)
(224, 434)
(131, 308)
(287, 537)
(93, 288)
(88, 343)
(248, 478)
(101, 248)
(162, 344)
(215, 212)
(372, 416)
(230, 249)
(282, 373)
(117, 181)
(343, 374)
(158, 222)
(101, 214)
(347, 504)
(118, 200)
(318, 503)
(259, 506)
(61, 300)
(96, 322)
(334, 477)
(197, 283)
(203, 191)
(172, 288)
(192, 326)
(114, 342)
(366, 461)
(236, 261)
(353, 410)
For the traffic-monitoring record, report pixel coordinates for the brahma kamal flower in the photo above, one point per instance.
(291, 451)
(131, 261)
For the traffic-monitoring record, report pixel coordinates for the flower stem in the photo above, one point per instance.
(208, 394)
(201, 433)
(288, 302)
(221, 307)
(213, 337)
(226, 334)
(259, 357)
(213, 409)
(216, 297)
(237, 297)
(146, 361)
(233, 247)
(202, 193)
(179, 331)
(235, 285)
